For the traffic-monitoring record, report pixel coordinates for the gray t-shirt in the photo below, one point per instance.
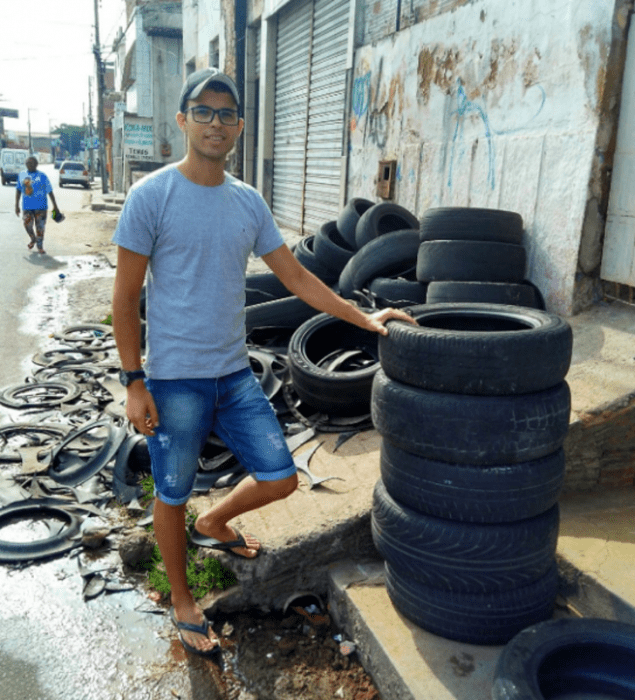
(198, 240)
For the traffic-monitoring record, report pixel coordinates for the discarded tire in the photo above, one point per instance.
(483, 292)
(383, 218)
(585, 657)
(56, 544)
(474, 618)
(349, 216)
(392, 254)
(289, 312)
(332, 364)
(264, 286)
(464, 429)
(305, 253)
(482, 349)
(398, 291)
(331, 249)
(483, 261)
(469, 493)
(471, 224)
(468, 557)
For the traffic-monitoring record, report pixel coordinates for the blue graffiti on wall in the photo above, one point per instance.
(361, 96)
(466, 107)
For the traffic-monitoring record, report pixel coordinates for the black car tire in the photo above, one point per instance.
(289, 312)
(58, 543)
(349, 216)
(573, 657)
(398, 291)
(39, 394)
(474, 618)
(333, 392)
(481, 349)
(264, 286)
(483, 293)
(388, 255)
(305, 253)
(383, 218)
(458, 556)
(469, 493)
(82, 471)
(471, 224)
(476, 261)
(464, 429)
(331, 249)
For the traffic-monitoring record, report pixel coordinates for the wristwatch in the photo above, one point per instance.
(126, 378)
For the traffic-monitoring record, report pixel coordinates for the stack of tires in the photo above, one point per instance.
(475, 255)
(473, 410)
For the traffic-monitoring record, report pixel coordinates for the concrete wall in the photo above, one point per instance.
(492, 104)
(167, 79)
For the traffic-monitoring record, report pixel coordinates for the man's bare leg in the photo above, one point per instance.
(169, 529)
(248, 495)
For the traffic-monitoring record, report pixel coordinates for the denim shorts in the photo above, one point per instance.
(235, 408)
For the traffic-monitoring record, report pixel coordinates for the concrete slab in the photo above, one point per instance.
(405, 661)
(596, 547)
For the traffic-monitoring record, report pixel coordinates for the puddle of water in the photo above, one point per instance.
(47, 309)
(31, 529)
(71, 649)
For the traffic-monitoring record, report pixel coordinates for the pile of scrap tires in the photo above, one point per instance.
(381, 255)
(473, 410)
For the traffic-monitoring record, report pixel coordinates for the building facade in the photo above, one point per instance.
(508, 104)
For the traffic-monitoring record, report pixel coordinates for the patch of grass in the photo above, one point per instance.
(107, 321)
(202, 574)
(147, 486)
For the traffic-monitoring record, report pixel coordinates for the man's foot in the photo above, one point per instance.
(30, 245)
(41, 251)
(195, 632)
(222, 539)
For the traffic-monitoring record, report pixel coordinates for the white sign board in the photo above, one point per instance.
(138, 141)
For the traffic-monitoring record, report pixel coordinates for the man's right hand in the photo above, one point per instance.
(141, 409)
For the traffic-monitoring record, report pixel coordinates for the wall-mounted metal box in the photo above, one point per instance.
(386, 179)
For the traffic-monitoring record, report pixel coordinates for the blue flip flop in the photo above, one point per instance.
(201, 540)
(199, 629)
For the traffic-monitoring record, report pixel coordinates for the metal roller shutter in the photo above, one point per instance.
(327, 102)
(289, 138)
(309, 112)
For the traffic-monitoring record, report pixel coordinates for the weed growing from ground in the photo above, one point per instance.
(203, 574)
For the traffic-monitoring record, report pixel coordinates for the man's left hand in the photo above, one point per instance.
(377, 320)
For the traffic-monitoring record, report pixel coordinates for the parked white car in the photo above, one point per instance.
(73, 172)
(12, 163)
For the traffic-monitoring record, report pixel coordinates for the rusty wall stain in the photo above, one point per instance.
(437, 67)
(502, 64)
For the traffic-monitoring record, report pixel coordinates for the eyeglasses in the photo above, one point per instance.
(205, 115)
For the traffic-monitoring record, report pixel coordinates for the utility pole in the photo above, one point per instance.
(100, 105)
(91, 139)
(28, 116)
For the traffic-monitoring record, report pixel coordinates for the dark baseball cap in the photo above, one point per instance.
(196, 82)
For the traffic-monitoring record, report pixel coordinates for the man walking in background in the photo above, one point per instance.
(33, 185)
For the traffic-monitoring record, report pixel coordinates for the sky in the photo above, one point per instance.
(46, 59)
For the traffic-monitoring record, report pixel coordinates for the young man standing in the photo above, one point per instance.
(191, 228)
(34, 185)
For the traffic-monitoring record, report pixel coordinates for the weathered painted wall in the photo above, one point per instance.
(491, 104)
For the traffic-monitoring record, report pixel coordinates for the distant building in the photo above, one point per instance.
(147, 83)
